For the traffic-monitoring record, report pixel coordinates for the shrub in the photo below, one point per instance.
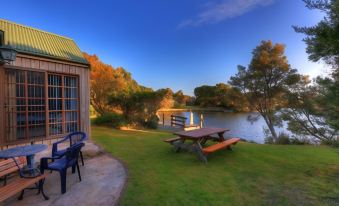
(268, 137)
(152, 122)
(300, 141)
(110, 119)
(283, 138)
(333, 143)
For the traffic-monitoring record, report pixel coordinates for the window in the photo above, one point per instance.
(55, 104)
(71, 103)
(39, 105)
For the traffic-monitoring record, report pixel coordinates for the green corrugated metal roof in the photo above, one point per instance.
(34, 41)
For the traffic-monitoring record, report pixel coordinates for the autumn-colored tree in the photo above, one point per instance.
(180, 98)
(105, 80)
(167, 98)
(265, 81)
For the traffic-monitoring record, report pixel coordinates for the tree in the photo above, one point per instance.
(139, 106)
(221, 95)
(105, 80)
(205, 96)
(314, 110)
(265, 81)
(328, 101)
(231, 98)
(167, 98)
(322, 39)
(304, 113)
(322, 43)
(179, 98)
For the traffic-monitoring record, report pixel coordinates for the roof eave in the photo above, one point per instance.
(53, 58)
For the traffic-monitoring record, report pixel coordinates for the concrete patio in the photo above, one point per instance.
(103, 179)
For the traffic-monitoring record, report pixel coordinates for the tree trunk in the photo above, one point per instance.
(270, 127)
(274, 134)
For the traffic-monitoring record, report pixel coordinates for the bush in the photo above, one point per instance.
(152, 122)
(300, 141)
(333, 143)
(110, 119)
(268, 137)
(283, 138)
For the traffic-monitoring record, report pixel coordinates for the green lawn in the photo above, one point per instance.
(251, 174)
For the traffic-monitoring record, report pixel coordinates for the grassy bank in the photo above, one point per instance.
(252, 174)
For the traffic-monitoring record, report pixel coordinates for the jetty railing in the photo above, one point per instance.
(178, 121)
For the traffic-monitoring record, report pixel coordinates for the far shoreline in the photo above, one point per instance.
(205, 109)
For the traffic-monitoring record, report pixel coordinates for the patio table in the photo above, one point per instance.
(29, 151)
(199, 137)
(30, 171)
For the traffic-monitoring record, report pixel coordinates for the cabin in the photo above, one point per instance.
(44, 92)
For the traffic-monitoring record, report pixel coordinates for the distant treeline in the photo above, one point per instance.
(221, 95)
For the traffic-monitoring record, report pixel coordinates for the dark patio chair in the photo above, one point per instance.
(73, 138)
(61, 164)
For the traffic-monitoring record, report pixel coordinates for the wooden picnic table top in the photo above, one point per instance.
(199, 133)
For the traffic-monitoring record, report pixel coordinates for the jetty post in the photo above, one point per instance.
(191, 118)
(201, 120)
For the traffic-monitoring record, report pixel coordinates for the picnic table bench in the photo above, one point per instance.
(199, 137)
(11, 165)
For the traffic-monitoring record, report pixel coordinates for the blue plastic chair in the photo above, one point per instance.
(61, 164)
(73, 138)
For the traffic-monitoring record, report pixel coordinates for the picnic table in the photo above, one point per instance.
(198, 138)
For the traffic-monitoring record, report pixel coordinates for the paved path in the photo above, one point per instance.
(103, 179)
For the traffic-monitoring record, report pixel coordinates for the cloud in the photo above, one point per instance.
(225, 9)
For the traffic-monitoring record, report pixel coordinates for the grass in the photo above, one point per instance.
(252, 174)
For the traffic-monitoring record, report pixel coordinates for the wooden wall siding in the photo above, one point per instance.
(2, 105)
(44, 64)
(85, 101)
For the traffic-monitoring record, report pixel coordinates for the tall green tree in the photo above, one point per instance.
(221, 95)
(314, 109)
(206, 96)
(139, 107)
(231, 98)
(322, 39)
(304, 112)
(265, 81)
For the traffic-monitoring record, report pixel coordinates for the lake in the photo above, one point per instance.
(237, 122)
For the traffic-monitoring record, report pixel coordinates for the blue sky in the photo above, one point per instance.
(179, 44)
